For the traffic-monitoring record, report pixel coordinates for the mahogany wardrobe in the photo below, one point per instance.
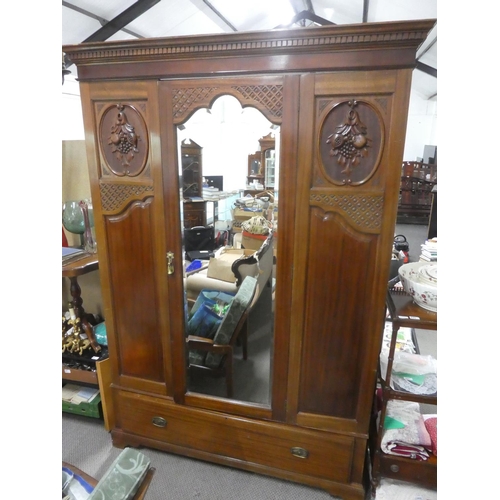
(338, 98)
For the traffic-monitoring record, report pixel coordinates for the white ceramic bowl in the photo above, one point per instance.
(424, 293)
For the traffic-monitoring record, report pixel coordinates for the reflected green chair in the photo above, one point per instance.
(218, 360)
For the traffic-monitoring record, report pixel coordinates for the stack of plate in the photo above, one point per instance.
(428, 274)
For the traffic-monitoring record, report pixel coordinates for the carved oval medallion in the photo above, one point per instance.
(351, 142)
(124, 140)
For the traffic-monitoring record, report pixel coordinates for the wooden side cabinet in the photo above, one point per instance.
(403, 312)
(195, 213)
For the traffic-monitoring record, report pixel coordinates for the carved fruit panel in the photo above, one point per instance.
(123, 139)
(350, 142)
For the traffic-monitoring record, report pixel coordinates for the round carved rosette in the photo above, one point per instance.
(123, 139)
(351, 142)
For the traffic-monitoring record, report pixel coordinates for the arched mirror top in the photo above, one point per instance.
(266, 97)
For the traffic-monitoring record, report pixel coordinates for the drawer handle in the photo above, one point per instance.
(299, 452)
(159, 422)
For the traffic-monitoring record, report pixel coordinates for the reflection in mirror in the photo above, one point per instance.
(230, 239)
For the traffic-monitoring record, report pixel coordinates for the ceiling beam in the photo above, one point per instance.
(116, 24)
(218, 14)
(366, 8)
(305, 15)
(121, 20)
(434, 40)
(300, 5)
(427, 69)
(99, 19)
(309, 6)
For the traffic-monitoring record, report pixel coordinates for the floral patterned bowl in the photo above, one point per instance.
(424, 293)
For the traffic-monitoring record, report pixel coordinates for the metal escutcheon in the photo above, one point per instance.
(159, 422)
(299, 452)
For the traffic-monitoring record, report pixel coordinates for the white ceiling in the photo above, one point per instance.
(83, 18)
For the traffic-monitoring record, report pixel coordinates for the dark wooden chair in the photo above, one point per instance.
(214, 357)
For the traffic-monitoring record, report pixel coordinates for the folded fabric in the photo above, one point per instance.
(409, 451)
(430, 422)
(404, 431)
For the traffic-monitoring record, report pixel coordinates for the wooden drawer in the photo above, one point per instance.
(405, 469)
(77, 375)
(297, 450)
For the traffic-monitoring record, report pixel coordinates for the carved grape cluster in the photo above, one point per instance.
(349, 142)
(348, 150)
(124, 145)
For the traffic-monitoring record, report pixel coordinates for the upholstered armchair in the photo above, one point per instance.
(214, 356)
(259, 264)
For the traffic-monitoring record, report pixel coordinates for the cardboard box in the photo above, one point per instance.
(252, 241)
(220, 267)
(241, 215)
(92, 409)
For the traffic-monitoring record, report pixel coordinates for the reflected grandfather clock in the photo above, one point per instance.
(192, 184)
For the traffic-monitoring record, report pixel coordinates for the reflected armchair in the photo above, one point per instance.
(214, 357)
(259, 264)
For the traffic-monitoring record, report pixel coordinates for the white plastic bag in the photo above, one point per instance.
(257, 225)
(412, 373)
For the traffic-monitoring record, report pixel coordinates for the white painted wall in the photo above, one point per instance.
(422, 126)
(72, 122)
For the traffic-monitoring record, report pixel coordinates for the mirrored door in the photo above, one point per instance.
(229, 324)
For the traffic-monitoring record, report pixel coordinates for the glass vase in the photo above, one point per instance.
(89, 243)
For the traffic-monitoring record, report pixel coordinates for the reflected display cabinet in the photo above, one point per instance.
(192, 172)
(195, 212)
(267, 151)
(340, 96)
